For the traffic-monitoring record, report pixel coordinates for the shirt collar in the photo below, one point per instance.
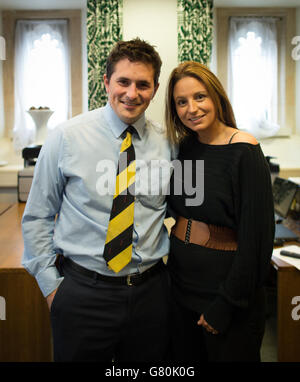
(118, 127)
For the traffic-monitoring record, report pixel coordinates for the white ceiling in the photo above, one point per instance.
(79, 4)
(256, 3)
(42, 4)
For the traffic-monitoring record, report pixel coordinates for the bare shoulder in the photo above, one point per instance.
(243, 136)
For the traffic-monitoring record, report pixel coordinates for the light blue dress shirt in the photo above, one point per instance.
(67, 211)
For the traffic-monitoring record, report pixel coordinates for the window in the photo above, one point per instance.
(9, 21)
(275, 102)
(253, 73)
(41, 75)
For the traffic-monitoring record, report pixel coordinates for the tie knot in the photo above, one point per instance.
(132, 130)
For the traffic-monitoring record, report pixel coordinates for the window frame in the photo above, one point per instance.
(288, 25)
(9, 23)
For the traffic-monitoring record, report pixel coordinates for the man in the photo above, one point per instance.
(103, 307)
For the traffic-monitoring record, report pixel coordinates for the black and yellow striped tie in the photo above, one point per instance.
(118, 244)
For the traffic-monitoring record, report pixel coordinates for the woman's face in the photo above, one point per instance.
(194, 105)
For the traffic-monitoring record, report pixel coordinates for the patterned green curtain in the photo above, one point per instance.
(195, 23)
(104, 29)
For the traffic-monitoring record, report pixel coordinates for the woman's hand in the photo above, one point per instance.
(206, 326)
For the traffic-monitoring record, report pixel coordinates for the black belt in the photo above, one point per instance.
(132, 279)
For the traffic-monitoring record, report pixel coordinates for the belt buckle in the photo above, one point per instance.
(128, 280)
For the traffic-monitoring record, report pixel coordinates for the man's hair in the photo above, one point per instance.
(135, 50)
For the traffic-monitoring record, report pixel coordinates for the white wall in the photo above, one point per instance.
(156, 22)
(84, 60)
(213, 59)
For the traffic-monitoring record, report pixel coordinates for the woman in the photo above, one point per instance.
(220, 250)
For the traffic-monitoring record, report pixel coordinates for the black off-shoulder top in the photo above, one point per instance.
(237, 194)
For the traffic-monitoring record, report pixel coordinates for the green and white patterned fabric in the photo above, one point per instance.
(195, 25)
(104, 29)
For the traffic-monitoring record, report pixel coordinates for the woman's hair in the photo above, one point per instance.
(176, 130)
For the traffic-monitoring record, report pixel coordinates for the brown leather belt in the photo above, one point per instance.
(206, 235)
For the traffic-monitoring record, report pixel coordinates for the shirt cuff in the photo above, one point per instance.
(48, 280)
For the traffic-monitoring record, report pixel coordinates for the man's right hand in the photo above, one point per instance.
(50, 298)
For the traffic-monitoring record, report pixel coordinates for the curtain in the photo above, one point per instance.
(253, 73)
(104, 29)
(195, 25)
(41, 75)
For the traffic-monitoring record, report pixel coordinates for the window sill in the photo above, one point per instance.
(285, 152)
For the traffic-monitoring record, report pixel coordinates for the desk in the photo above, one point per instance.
(4, 207)
(25, 334)
(288, 330)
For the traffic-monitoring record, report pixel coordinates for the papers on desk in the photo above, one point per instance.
(290, 260)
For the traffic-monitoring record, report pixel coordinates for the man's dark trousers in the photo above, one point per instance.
(94, 320)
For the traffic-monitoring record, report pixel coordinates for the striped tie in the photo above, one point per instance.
(118, 244)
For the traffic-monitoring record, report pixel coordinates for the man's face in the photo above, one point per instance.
(130, 89)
